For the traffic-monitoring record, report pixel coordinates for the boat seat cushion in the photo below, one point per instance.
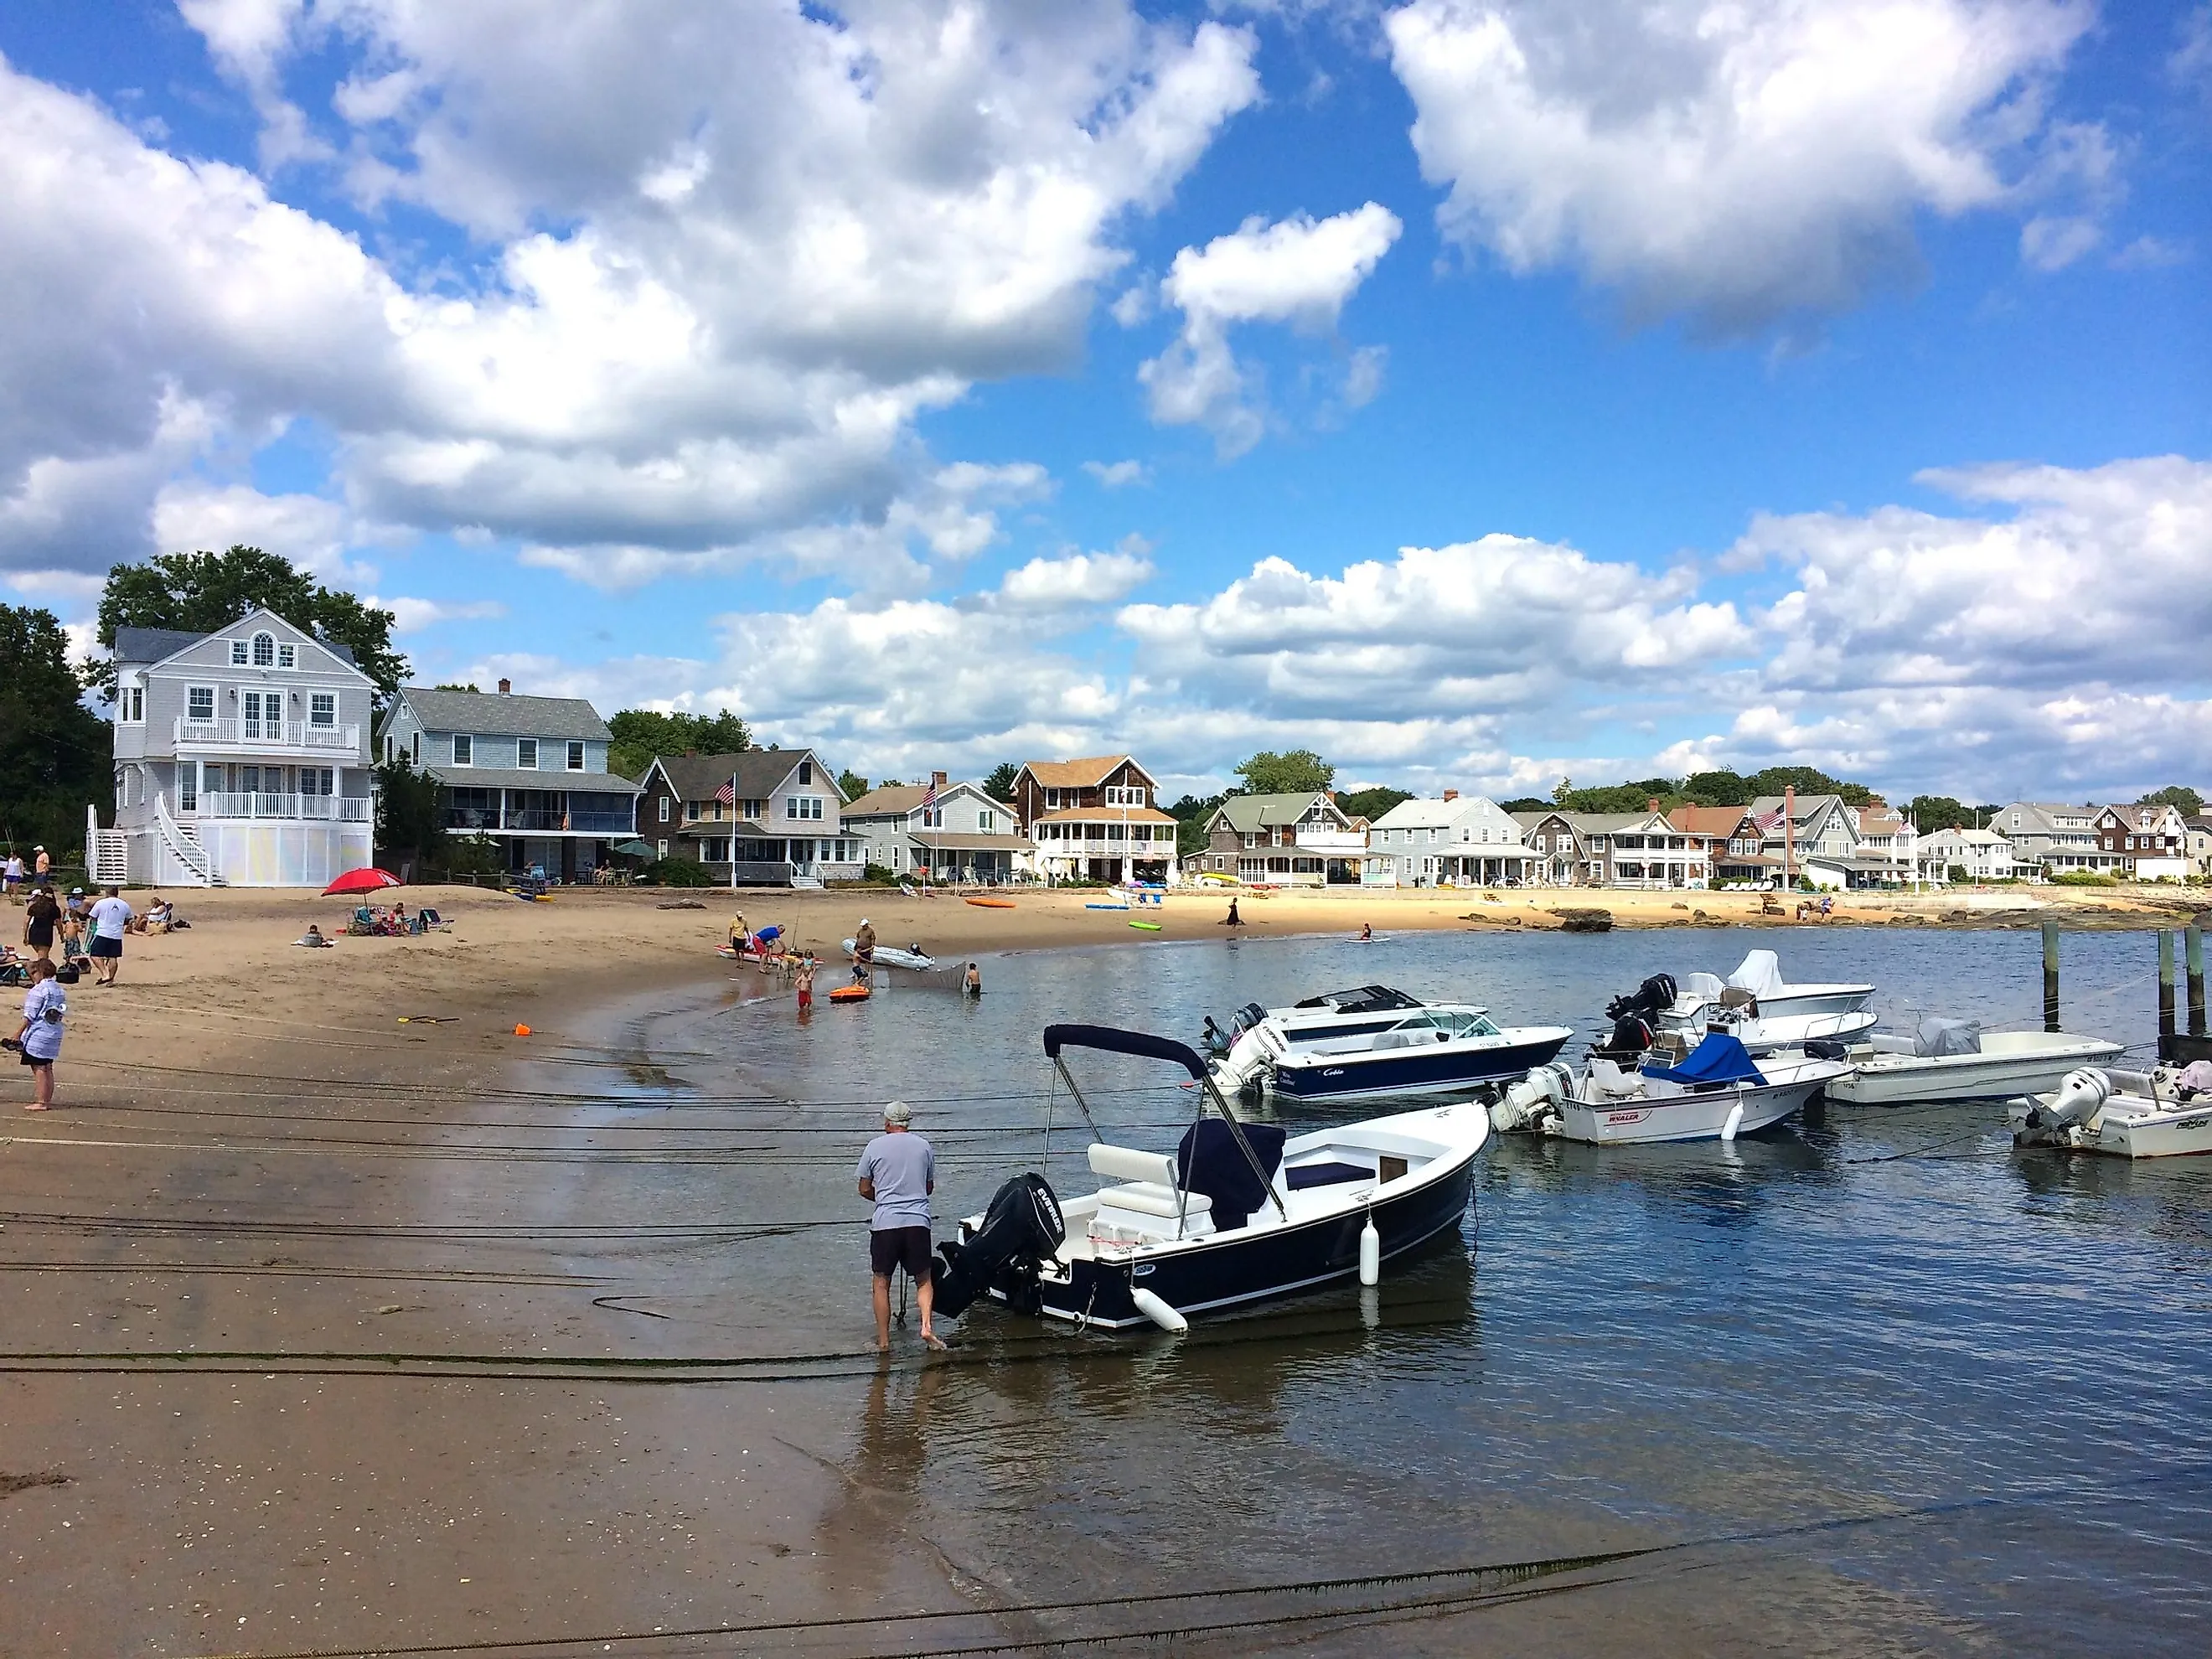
(1299, 1176)
(1126, 1164)
(1153, 1199)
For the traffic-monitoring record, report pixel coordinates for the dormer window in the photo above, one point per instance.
(264, 650)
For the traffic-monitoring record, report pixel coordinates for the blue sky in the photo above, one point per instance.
(1476, 399)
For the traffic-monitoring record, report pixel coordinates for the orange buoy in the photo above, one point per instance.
(522, 1030)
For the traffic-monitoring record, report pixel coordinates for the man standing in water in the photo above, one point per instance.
(897, 1174)
(864, 952)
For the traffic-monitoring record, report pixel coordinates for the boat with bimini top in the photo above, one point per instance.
(1239, 1213)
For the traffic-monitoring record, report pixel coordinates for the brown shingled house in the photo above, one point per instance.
(1096, 819)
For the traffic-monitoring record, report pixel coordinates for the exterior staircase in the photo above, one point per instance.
(182, 842)
(106, 852)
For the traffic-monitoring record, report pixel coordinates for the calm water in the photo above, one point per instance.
(1936, 1394)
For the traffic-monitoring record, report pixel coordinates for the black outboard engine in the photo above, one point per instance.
(1021, 1228)
(1647, 1001)
(1632, 1035)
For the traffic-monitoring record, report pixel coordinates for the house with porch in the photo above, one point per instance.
(1556, 849)
(1097, 819)
(939, 831)
(1285, 841)
(2153, 840)
(1644, 850)
(1981, 854)
(1733, 844)
(2050, 838)
(757, 818)
(241, 758)
(528, 775)
(1463, 840)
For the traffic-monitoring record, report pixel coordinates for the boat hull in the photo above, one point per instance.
(1965, 1077)
(1241, 1267)
(1413, 1071)
(1634, 1122)
(2127, 1125)
(1802, 1000)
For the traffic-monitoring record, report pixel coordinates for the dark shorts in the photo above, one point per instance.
(32, 1059)
(106, 947)
(896, 1247)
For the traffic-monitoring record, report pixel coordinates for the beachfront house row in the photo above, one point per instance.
(528, 775)
(2050, 838)
(756, 818)
(1460, 840)
(241, 758)
(1285, 841)
(939, 831)
(1097, 819)
(2153, 840)
(1644, 850)
(1966, 855)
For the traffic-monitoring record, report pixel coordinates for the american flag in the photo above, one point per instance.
(929, 797)
(1767, 822)
(727, 794)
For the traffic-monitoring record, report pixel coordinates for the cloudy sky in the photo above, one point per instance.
(1477, 392)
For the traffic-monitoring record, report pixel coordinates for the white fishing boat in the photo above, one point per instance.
(1956, 1059)
(2166, 1112)
(1773, 997)
(1719, 1093)
(1376, 1040)
(1239, 1213)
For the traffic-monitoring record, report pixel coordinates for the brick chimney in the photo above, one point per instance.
(505, 687)
(1451, 794)
(938, 778)
(1651, 803)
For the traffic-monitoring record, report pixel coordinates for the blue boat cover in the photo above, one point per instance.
(1719, 1059)
(1208, 1162)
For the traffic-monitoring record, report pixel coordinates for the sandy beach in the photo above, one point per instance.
(397, 1408)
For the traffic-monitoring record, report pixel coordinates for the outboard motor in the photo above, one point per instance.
(1536, 1097)
(1021, 1228)
(1647, 1001)
(1632, 1035)
(2077, 1100)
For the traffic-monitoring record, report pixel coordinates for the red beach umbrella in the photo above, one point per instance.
(367, 879)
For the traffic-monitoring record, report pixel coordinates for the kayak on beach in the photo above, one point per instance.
(991, 903)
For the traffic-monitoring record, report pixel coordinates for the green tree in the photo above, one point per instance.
(641, 733)
(1632, 796)
(1296, 772)
(201, 591)
(1933, 813)
(1806, 780)
(1561, 790)
(1524, 804)
(1190, 814)
(1371, 804)
(56, 755)
(1725, 788)
(853, 785)
(407, 816)
(2175, 794)
(999, 784)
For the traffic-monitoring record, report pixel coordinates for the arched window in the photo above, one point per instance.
(264, 650)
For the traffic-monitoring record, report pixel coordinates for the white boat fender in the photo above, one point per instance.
(2079, 1097)
(1158, 1311)
(1735, 1121)
(1370, 1253)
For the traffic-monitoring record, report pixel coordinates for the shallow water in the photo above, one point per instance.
(1894, 1383)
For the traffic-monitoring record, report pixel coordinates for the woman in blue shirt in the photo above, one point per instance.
(40, 1039)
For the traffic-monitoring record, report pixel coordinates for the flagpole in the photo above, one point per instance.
(733, 833)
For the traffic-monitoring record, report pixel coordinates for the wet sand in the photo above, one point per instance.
(329, 1332)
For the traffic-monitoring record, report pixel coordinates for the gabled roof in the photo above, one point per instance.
(757, 772)
(1247, 813)
(1807, 806)
(1423, 813)
(1707, 820)
(153, 645)
(1081, 774)
(501, 714)
(897, 800)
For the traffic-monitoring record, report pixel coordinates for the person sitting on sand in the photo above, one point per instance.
(313, 939)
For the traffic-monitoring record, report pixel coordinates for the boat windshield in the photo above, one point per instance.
(1361, 999)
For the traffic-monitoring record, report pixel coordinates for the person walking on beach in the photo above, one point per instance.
(39, 920)
(13, 875)
(40, 1039)
(897, 1174)
(864, 952)
(1232, 920)
(111, 920)
(806, 981)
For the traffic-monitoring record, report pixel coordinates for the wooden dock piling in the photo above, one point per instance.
(2165, 983)
(2193, 946)
(2049, 975)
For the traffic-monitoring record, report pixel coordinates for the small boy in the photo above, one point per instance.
(805, 982)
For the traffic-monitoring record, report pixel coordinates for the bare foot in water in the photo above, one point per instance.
(35, 1107)
(932, 1339)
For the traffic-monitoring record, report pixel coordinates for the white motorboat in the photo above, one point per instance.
(1659, 1016)
(1956, 1059)
(1719, 1093)
(1773, 997)
(1376, 1041)
(1236, 1213)
(2166, 1112)
(1762, 1033)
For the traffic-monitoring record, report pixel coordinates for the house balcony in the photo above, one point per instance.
(536, 821)
(1341, 843)
(268, 737)
(222, 803)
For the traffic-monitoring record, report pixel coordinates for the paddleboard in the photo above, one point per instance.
(1149, 926)
(991, 903)
(1105, 906)
(849, 994)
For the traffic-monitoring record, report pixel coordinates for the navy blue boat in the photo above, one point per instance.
(1426, 1051)
(1236, 1213)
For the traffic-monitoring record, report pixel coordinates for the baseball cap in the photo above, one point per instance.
(898, 1112)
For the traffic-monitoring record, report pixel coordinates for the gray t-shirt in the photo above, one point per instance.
(902, 1166)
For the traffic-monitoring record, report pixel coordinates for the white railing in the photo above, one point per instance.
(232, 804)
(183, 845)
(277, 734)
(1331, 840)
